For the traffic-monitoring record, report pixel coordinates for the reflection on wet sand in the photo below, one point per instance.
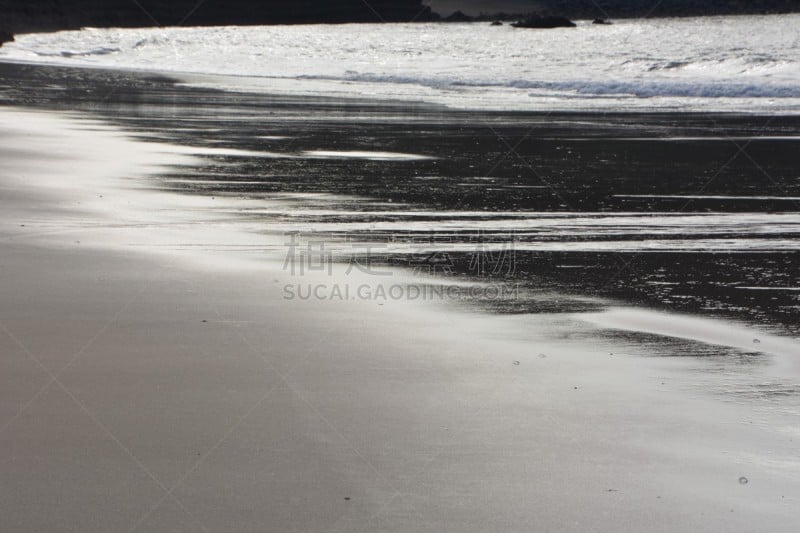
(584, 210)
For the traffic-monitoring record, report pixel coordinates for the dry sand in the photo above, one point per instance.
(151, 380)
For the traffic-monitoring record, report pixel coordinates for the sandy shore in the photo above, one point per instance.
(152, 383)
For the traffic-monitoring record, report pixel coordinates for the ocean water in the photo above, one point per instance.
(740, 64)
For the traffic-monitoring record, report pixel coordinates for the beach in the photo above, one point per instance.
(169, 364)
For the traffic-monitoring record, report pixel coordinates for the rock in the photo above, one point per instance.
(545, 22)
(6, 37)
(20, 16)
(497, 23)
(600, 21)
(458, 16)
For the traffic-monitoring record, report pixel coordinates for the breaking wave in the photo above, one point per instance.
(83, 53)
(637, 88)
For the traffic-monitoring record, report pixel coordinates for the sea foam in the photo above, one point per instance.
(745, 64)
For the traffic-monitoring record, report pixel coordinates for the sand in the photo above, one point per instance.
(152, 381)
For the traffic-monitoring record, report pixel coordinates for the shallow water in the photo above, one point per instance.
(585, 206)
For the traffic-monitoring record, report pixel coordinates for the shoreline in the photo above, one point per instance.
(190, 393)
(147, 78)
(125, 93)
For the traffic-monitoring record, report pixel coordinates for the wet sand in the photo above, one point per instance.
(686, 212)
(155, 378)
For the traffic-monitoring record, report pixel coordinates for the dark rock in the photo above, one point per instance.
(497, 23)
(45, 15)
(600, 21)
(545, 22)
(6, 37)
(458, 16)
(588, 9)
(19, 16)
